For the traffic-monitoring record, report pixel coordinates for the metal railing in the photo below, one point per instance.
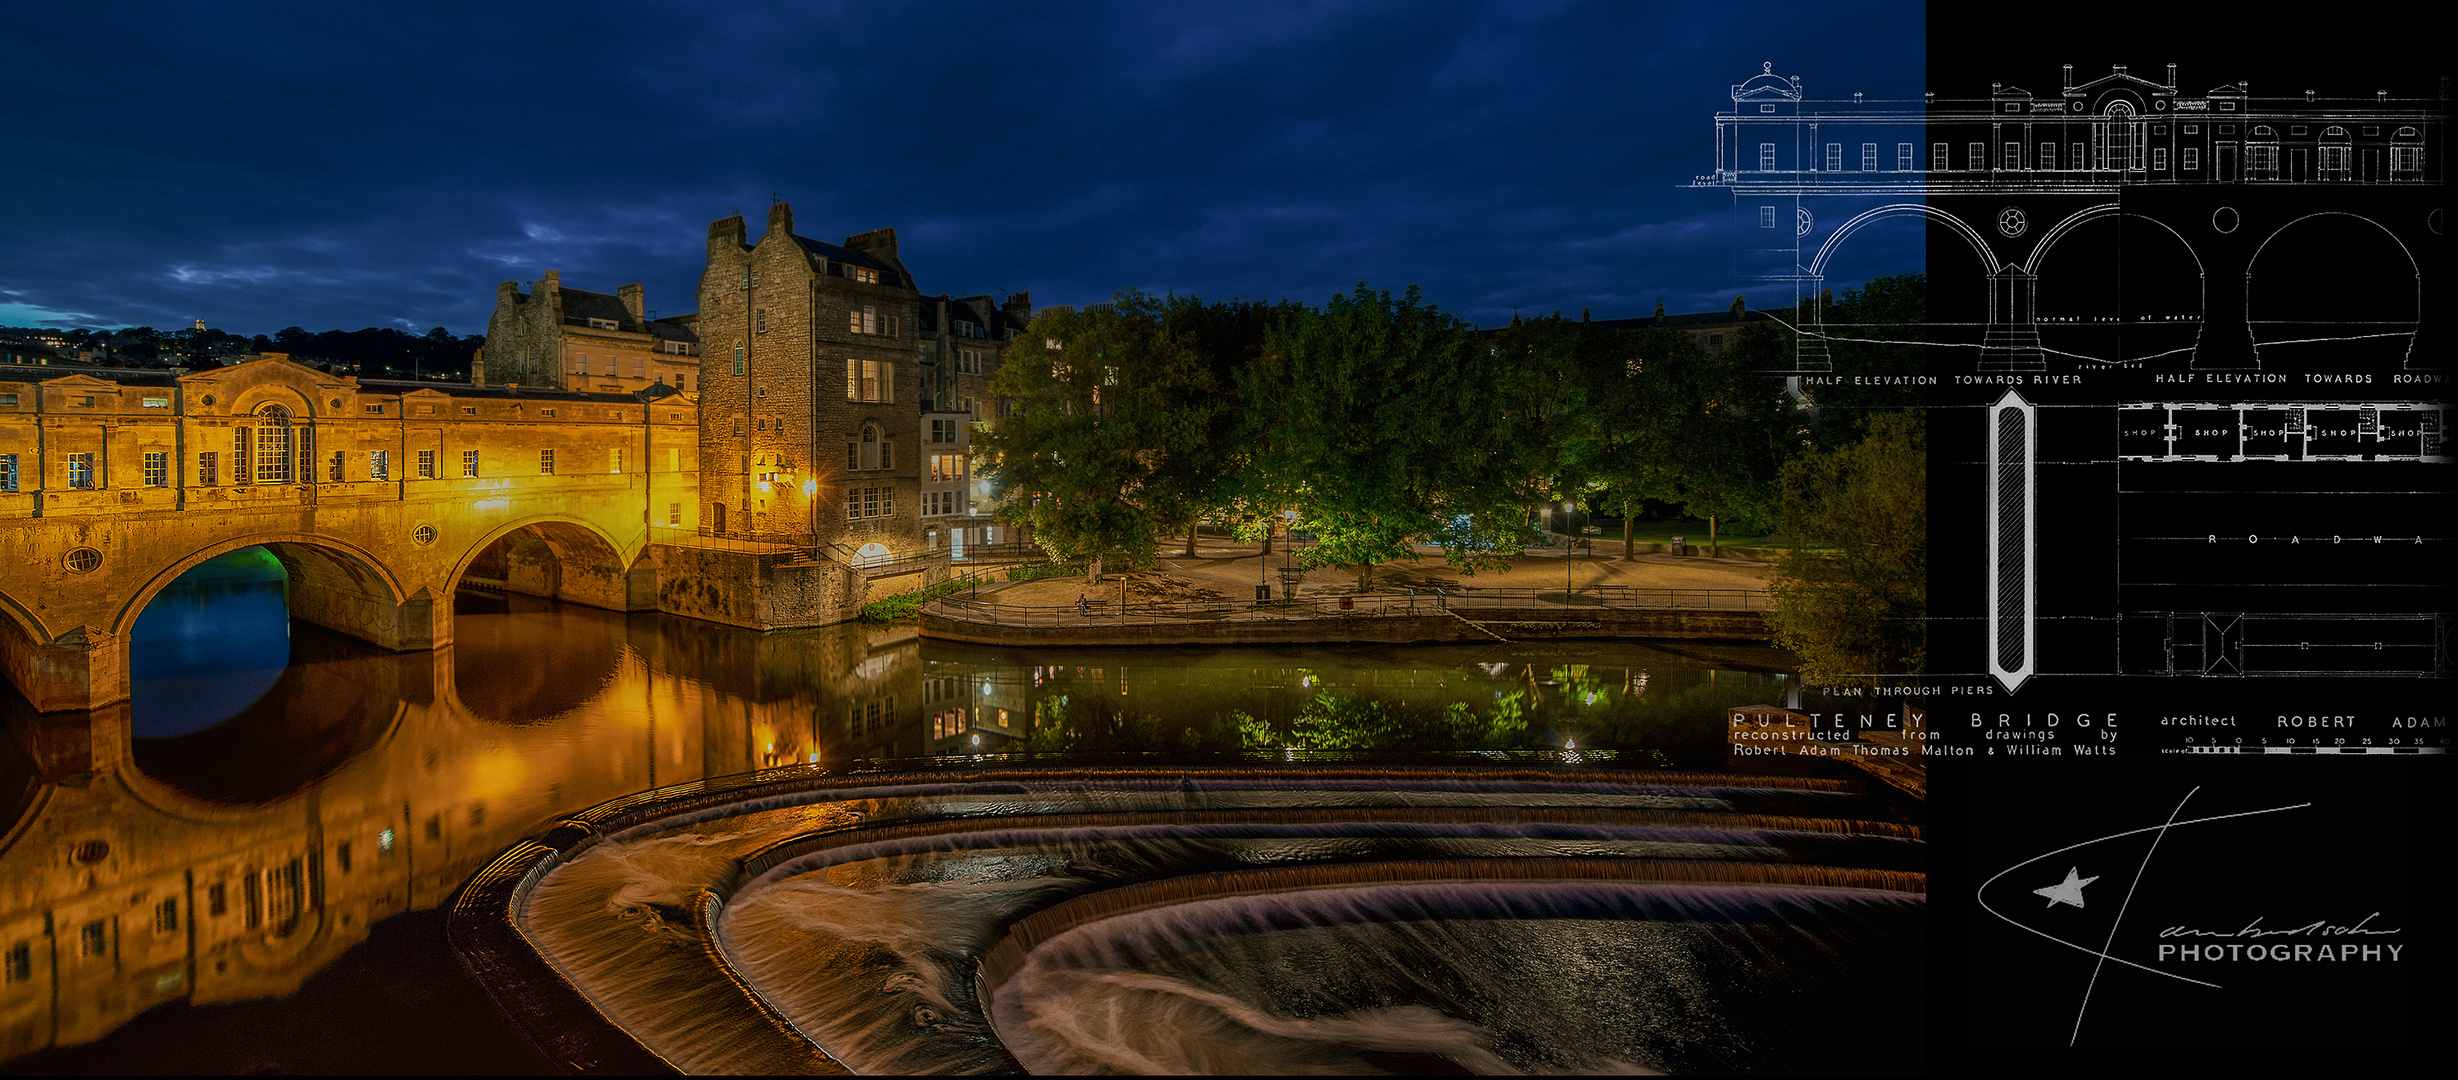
(1464, 602)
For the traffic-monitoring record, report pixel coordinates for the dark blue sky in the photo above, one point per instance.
(327, 166)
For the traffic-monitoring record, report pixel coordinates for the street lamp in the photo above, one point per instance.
(1570, 550)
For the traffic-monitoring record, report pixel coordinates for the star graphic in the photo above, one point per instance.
(2068, 891)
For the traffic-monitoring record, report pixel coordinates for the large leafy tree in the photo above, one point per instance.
(1216, 474)
(1672, 423)
(1377, 418)
(1852, 594)
(1102, 415)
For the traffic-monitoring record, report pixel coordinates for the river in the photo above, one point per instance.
(241, 869)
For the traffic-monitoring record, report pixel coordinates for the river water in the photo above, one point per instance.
(240, 869)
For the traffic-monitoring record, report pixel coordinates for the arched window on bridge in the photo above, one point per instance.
(273, 445)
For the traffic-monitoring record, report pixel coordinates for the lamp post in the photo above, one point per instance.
(1570, 550)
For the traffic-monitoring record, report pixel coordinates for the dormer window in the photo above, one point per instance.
(602, 324)
(863, 274)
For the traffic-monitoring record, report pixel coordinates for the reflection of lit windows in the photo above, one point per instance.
(166, 915)
(217, 899)
(21, 962)
(384, 842)
(95, 940)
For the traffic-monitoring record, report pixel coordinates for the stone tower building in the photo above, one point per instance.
(837, 401)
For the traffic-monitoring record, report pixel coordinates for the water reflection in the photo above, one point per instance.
(151, 856)
(214, 640)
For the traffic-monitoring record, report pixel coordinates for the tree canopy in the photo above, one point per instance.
(1852, 594)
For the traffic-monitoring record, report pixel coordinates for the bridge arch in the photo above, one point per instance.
(561, 557)
(2332, 287)
(1970, 235)
(2147, 321)
(319, 564)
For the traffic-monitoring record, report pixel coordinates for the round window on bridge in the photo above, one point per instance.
(83, 559)
(423, 535)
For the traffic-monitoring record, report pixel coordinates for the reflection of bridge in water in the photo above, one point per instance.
(136, 871)
(233, 863)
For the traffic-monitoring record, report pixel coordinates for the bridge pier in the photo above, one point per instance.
(83, 668)
(2012, 342)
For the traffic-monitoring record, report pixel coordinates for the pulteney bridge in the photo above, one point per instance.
(379, 498)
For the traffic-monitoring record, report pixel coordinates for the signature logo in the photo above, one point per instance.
(2206, 949)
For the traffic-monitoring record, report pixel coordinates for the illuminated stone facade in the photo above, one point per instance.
(557, 338)
(377, 496)
(836, 399)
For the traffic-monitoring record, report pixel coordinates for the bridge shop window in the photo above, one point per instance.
(157, 469)
(81, 471)
(1766, 217)
(2048, 157)
(208, 468)
(337, 470)
(273, 445)
(8, 472)
(469, 463)
(1869, 157)
(426, 464)
(1903, 157)
(379, 465)
(1834, 157)
(546, 461)
(1938, 160)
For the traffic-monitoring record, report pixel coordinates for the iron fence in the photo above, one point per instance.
(1367, 605)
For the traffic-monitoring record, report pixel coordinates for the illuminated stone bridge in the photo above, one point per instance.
(380, 499)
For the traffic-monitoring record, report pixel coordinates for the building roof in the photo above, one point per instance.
(825, 250)
(581, 305)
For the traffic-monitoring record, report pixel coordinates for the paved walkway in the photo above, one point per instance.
(1225, 571)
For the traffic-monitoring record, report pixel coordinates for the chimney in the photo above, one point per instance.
(879, 243)
(780, 219)
(632, 301)
(2172, 76)
(477, 367)
(1659, 311)
(2118, 68)
(1739, 307)
(726, 231)
(2069, 76)
(1020, 305)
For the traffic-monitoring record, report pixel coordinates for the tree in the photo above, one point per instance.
(1111, 403)
(1851, 594)
(1376, 418)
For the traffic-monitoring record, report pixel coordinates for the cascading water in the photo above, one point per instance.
(1354, 919)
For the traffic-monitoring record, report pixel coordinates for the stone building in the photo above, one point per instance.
(557, 338)
(867, 470)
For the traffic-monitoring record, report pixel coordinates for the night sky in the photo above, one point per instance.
(337, 167)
